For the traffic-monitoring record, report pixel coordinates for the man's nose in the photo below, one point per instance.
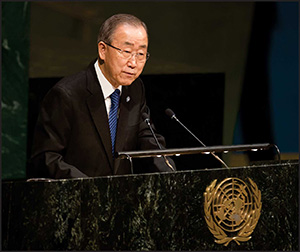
(132, 60)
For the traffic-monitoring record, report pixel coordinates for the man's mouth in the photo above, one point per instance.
(131, 74)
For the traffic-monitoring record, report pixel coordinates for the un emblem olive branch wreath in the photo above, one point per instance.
(244, 234)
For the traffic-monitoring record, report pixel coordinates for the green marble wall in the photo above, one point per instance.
(161, 211)
(14, 100)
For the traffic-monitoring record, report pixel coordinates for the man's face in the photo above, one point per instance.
(116, 68)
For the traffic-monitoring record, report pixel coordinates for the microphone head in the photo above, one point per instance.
(170, 113)
(145, 116)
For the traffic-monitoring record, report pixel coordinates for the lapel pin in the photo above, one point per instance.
(127, 99)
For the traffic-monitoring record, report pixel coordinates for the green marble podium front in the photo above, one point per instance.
(160, 211)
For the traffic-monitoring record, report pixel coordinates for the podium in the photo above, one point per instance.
(157, 211)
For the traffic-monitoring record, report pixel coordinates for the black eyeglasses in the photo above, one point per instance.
(141, 57)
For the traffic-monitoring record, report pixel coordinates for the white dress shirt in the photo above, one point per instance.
(107, 88)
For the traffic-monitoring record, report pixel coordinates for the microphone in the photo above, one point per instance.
(171, 114)
(147, 120)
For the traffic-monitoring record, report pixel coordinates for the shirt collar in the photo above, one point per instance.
(105, 85)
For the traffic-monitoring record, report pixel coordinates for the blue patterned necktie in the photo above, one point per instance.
(113, 117)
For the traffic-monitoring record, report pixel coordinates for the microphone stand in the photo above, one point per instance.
(156, 140)
(170, 113)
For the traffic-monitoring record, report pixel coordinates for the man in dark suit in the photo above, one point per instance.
(74, 136)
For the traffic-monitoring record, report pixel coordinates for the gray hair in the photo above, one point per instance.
(109, 26)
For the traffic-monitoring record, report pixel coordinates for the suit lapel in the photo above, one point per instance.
(96, 106)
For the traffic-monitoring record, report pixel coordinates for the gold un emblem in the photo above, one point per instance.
(232, 209)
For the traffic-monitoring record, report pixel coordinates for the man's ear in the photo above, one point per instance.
(101, 50)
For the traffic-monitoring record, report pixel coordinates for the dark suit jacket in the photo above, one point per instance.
(72, 136)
